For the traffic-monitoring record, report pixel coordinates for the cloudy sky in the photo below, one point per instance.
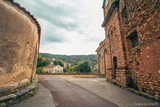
(70, 27)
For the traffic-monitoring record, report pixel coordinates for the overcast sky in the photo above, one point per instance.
(69, 27)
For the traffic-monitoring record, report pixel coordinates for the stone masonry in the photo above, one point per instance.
(101, 53)
(132, 29)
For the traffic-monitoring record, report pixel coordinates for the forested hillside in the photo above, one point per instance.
(72, 58)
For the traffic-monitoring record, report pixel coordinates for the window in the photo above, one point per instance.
(135, 41)
(132, 40)
(111, 33)
(106, 2)
(115, 65)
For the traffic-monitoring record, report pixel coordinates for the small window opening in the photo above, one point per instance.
(132, 40)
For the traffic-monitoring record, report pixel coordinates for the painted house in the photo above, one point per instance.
(53, 69)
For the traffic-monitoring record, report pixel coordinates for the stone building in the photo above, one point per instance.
(19, 46)
(101, 51)
(131, 55)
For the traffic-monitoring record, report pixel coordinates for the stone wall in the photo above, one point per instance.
(114, 46)
(19, 45)
(143, 17)
(101, 57)
(132, 30)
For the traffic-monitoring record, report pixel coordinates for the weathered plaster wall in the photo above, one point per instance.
(19, 42)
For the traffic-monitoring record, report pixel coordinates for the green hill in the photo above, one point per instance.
(72, 58)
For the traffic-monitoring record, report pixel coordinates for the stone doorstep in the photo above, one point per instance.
(20, 95)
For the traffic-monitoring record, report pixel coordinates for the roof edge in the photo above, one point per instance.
(27, 13)
(102, 43)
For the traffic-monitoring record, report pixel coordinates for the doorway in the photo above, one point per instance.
(115, 65)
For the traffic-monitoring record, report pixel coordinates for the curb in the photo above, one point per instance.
(11, 99)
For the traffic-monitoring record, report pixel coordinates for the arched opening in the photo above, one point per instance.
(105, 66)
(115, 65)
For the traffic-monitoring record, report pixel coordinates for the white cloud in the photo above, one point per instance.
(68, 26)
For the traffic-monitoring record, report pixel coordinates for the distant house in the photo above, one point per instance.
(67, 65)
(53, 69)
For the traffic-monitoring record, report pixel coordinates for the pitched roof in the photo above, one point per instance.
(50, 66)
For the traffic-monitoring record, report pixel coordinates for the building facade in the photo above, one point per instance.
(19, 46)
(102, 53)
(53, 69)
(132, 33)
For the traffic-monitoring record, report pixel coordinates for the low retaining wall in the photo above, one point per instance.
(20, 95)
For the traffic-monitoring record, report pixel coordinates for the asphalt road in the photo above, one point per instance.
(88, 91)
(67, 94)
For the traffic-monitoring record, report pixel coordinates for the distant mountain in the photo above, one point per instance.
(72, 58)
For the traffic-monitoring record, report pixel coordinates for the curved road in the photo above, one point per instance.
(67, 94)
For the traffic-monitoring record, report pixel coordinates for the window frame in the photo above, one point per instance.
(132, 40)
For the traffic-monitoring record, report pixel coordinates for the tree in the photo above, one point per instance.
(42, 61)
(39, 70)
(75, 68)
(82, 67)
(59, 62)
(85, 67)
(65, 70)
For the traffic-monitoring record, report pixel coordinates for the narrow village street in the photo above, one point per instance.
(67, 94)
(80, 91)
(80, 53)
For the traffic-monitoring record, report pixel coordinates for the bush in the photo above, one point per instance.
(41, 62)
(82, 67)
(39, 70)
